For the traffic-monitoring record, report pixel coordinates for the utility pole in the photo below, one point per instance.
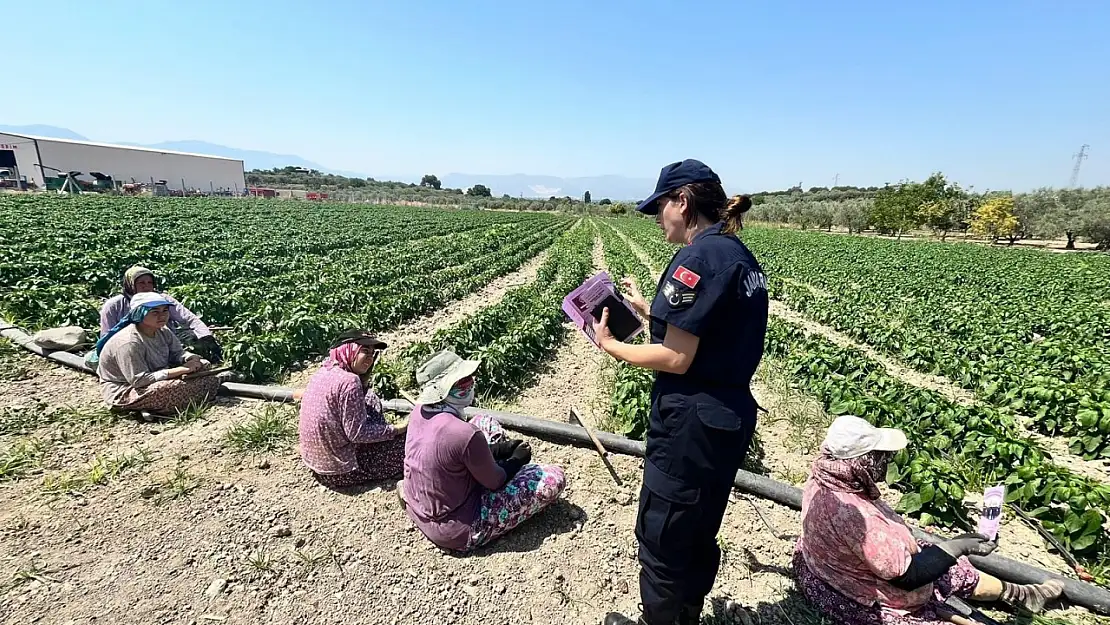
(1079, 156)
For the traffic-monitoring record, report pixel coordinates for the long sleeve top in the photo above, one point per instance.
(116, 308)
(130, 360)
(856, 545)
(336, 416)
(448, 466)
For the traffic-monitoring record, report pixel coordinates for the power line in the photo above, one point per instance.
(1079, 156)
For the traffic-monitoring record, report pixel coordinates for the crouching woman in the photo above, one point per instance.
(344, 437)
(465, 483)
(141, 363)
(857, 559)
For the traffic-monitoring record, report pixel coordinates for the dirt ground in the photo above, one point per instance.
(110, 521)
(199, 533)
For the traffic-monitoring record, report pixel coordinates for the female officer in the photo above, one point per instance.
(708, 321)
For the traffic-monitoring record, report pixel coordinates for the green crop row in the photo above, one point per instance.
(1026, 331)
(279, 334)
(91, 240)
(510, 337)
(630, 395)
(954, 449)
(286, 277)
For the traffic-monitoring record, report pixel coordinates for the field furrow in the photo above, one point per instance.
(571, 377)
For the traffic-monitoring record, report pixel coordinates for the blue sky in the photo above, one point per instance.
(995, 94)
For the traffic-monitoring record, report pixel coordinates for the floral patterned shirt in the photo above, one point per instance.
(336, 416)
(855, 545)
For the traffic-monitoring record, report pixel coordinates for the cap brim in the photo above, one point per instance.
(371, 342)
(464, 369)
(891, 439)
(650, 206)
(368, 341)
(155, 303)
(436, 391)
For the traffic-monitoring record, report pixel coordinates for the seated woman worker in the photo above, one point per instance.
(187, 326)
(142, 363)
(856, 559)
(345, 440)
(465, 482)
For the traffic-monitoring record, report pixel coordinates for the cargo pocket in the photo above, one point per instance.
(651, 519)
(668, 515)
(669, 487)
(718, 417)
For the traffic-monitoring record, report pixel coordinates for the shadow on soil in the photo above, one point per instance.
(559, 518)
(793, 609)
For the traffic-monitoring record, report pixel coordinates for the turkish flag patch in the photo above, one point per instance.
(687, 277)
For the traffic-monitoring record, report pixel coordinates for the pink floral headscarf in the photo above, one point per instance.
(853, 475)
(342, 356)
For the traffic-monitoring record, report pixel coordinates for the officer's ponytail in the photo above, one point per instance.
(733, 213)
(708, 199)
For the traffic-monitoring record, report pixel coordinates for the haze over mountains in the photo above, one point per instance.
(515, 185)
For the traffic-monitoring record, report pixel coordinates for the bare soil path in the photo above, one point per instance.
(571, 378)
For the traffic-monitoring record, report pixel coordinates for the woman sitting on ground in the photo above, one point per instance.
(142, 363)
(187, 326)
(857, 559)
(465, 482)
(345, 440)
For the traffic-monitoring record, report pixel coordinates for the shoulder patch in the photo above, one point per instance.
(685, 276)
(677, 298)
(754, 282)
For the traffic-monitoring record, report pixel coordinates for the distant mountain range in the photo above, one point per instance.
(524, 185)
(515, 185)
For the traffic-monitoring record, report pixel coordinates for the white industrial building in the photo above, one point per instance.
(39, 158)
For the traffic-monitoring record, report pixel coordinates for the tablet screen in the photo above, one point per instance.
(623, 323)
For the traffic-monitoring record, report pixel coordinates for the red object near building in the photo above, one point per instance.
(260, 192)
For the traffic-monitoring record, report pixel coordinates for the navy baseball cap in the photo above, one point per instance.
(675, 176)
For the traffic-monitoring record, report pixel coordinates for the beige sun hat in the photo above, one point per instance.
(440, 373)
(852, 437)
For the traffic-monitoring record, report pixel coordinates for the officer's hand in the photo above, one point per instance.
(634, 297)
(601, 330)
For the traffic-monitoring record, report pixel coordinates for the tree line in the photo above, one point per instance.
(943, 207)
(429, 190)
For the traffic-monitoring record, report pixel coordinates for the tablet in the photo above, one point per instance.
(623, 323)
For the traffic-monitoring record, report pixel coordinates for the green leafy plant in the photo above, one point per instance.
(268, 429)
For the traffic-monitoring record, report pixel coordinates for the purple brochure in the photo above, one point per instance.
(584, 305)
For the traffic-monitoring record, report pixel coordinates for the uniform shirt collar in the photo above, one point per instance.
(714, 229)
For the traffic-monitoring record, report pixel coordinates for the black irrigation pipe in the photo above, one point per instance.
(1092, 597)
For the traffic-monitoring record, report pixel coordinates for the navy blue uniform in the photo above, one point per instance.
(702, 421)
